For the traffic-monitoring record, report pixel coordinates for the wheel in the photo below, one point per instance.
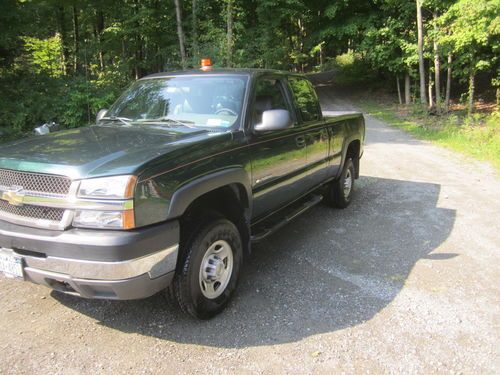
(208, 269)
(340, 191)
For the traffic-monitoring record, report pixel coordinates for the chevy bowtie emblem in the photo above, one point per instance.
(14, 196)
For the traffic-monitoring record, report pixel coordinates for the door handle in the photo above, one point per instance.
(300, 141)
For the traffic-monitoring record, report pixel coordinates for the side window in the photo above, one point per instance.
(268, 95)
(306, 99)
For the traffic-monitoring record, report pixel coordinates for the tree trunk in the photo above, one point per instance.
(99, 28)
(139, 56)
(471, 91)
(138, 42)
(61, 26)
(300, 36)
(76, 41)
(437, 71)
(407, 89)
(196, 51)
(448, 84)
(421, 66)
(158, 6)
(180, 33)
(431, 99)
(230, 40)
(399, 90)
(321, 54)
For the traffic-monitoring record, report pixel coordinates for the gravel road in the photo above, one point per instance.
(406, 280)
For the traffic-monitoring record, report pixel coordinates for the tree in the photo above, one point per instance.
(86, 51)
(62, 30)
(437, 65)
(194, 30)
(76, 40)
(389, 43)
(473, 29)
(180, 33)
(421, 63)
(230, 38)
(448, 83)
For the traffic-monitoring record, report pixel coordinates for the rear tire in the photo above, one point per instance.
(209, 268)
(340, 191)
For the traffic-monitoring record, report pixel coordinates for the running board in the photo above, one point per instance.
(272, 226)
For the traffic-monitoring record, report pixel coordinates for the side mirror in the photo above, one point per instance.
(274, 119)
(100, 115)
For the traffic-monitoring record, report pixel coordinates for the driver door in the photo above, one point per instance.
(278, 157)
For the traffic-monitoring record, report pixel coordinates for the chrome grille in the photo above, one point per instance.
(35, 182)
(33, 212)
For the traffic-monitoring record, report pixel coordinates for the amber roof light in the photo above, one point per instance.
(206, 64)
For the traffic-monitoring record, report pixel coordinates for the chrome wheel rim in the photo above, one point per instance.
(216, 269)
(347, 183)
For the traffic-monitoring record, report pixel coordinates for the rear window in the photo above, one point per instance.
(305, 98)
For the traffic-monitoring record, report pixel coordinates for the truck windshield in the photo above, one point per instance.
(192, 101)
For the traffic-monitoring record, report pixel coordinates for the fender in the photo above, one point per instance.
(187, 194)
(347, 142)
(356, 137)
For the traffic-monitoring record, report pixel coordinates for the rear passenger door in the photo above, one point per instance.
(278, 157)
(316, 134)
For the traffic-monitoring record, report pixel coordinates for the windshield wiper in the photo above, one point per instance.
(170, 120)
(124, 120)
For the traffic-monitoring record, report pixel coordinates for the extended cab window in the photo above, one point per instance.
(268, 95)
(306, 99)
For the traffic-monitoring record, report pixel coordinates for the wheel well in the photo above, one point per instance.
(230, 201)
(353, 151)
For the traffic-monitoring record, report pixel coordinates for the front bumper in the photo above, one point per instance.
(96, 264)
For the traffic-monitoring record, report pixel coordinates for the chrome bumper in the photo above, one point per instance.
(130, 279)
(154, 265)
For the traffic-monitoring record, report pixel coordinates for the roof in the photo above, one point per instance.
(242, 71)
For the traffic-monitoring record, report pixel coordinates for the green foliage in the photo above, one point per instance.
(350, 69)
(44, 55)
(31, 100)
(471, 30)
(53, 68)
(85, 98)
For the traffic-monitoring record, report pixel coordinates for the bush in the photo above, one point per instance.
(351, 69)
(28, 100)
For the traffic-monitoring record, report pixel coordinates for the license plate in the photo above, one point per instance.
(10, 264)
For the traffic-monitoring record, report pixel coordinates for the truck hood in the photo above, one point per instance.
(96, 150)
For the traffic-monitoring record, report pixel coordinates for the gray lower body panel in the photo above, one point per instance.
(130, 279)
(134, 288)
(90, 244)
(95, 263)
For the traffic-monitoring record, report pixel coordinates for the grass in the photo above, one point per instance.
(477, 136)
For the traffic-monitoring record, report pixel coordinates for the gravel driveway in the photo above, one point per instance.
(406, 280)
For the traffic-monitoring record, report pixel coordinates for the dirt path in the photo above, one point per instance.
(406, 280)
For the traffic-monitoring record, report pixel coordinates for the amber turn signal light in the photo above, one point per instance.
(128, 219)
(206, 64)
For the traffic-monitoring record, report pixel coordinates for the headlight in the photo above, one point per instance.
(104, 219)
(101, 190)
(116, 187)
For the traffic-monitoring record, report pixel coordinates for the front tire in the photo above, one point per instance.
(340, 191)
(209, 268)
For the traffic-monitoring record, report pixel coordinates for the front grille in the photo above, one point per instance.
(35, 182)
(33, 212)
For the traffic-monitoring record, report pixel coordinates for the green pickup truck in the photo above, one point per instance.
(172, 185)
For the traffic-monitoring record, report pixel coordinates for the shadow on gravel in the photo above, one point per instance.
(327, 270)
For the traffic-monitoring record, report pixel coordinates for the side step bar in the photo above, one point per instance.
(270, 226)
